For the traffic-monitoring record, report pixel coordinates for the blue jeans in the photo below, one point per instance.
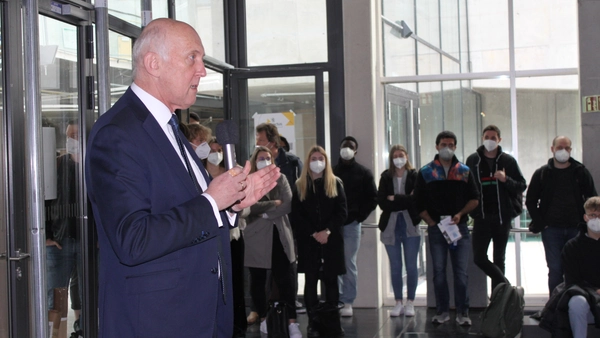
(411, 247)
(348, 281)
(579, 316)
(554, 240)
(459, 257)
(59, 265)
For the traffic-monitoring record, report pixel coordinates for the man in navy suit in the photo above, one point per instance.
(163, 225)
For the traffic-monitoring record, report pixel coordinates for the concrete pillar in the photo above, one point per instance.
(589, 79)
(361, 113)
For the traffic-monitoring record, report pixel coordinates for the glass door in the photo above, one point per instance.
(4, 295)
(62, 152)
(402, 121)
(294, 103)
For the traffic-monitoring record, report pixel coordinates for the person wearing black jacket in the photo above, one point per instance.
(576, 304)
(399, 224)
(501, 185)
(555, 198)
(361, 194)
(319, 212)
(446, 189)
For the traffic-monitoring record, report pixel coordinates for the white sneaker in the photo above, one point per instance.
(300, 308)
(397, 310)
(346, 311)
(463, 319)
(263, 326)
(409, 309)
(440, 318)
(294, 330)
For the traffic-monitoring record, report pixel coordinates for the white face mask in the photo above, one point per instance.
(562, 155)
(317, 166)
(490, 145)
(215, 158)
(203, 150)
(347, 153)
(72, 146)
(399, 162)
(594, 225)
(446, 153)
(262, 164)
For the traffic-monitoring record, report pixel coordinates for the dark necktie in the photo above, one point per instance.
(174, 122)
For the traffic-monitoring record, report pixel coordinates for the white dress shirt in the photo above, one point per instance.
(161, 113)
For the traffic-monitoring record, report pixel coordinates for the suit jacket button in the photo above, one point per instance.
(213, 270)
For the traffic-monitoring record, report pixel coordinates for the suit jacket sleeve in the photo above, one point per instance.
(124, 189)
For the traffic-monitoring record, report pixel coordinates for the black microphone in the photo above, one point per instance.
(228, 135)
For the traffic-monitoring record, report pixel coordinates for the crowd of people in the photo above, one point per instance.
(169, 214)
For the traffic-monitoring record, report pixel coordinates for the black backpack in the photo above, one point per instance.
(504, 316)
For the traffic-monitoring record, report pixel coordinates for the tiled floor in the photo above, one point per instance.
(377, 323)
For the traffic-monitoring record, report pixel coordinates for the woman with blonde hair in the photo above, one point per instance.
(319, 212)
(399, 226)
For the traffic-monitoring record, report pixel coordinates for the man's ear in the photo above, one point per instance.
(585, 218)
(152, 63)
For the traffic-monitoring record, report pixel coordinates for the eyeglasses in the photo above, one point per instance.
(592, 216)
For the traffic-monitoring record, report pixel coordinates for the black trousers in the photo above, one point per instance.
(237, 274)
(329, 287)
(484, 231)
(281, 275)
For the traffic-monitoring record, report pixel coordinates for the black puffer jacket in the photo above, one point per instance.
(359, 185)
(318, 212)
(510, 193)
(400, 202)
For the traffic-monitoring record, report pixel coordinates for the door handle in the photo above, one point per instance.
(20, 256)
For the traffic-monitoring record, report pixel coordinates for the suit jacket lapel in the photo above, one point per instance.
(164, 146)
(198, 162)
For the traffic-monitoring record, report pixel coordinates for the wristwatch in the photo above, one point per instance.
(327, 232)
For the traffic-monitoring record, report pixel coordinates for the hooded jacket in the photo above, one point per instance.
(509, 193)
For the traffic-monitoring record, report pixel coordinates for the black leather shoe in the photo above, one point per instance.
(310, 332)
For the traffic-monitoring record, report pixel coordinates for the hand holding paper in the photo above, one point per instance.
(449, 230)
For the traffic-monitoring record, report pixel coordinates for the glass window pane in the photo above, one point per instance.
(428, 21)
(534, 272)
(495, 109)
(547, 107)
(450, 28)
(59, 85)
(288, 102)
(286, 32)
(159, 9)
(428, 60)
(120, 64)
(209, 100)
(207, 17)
(399, 53)
(128, 10)
(546, 36)
(488, 35)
